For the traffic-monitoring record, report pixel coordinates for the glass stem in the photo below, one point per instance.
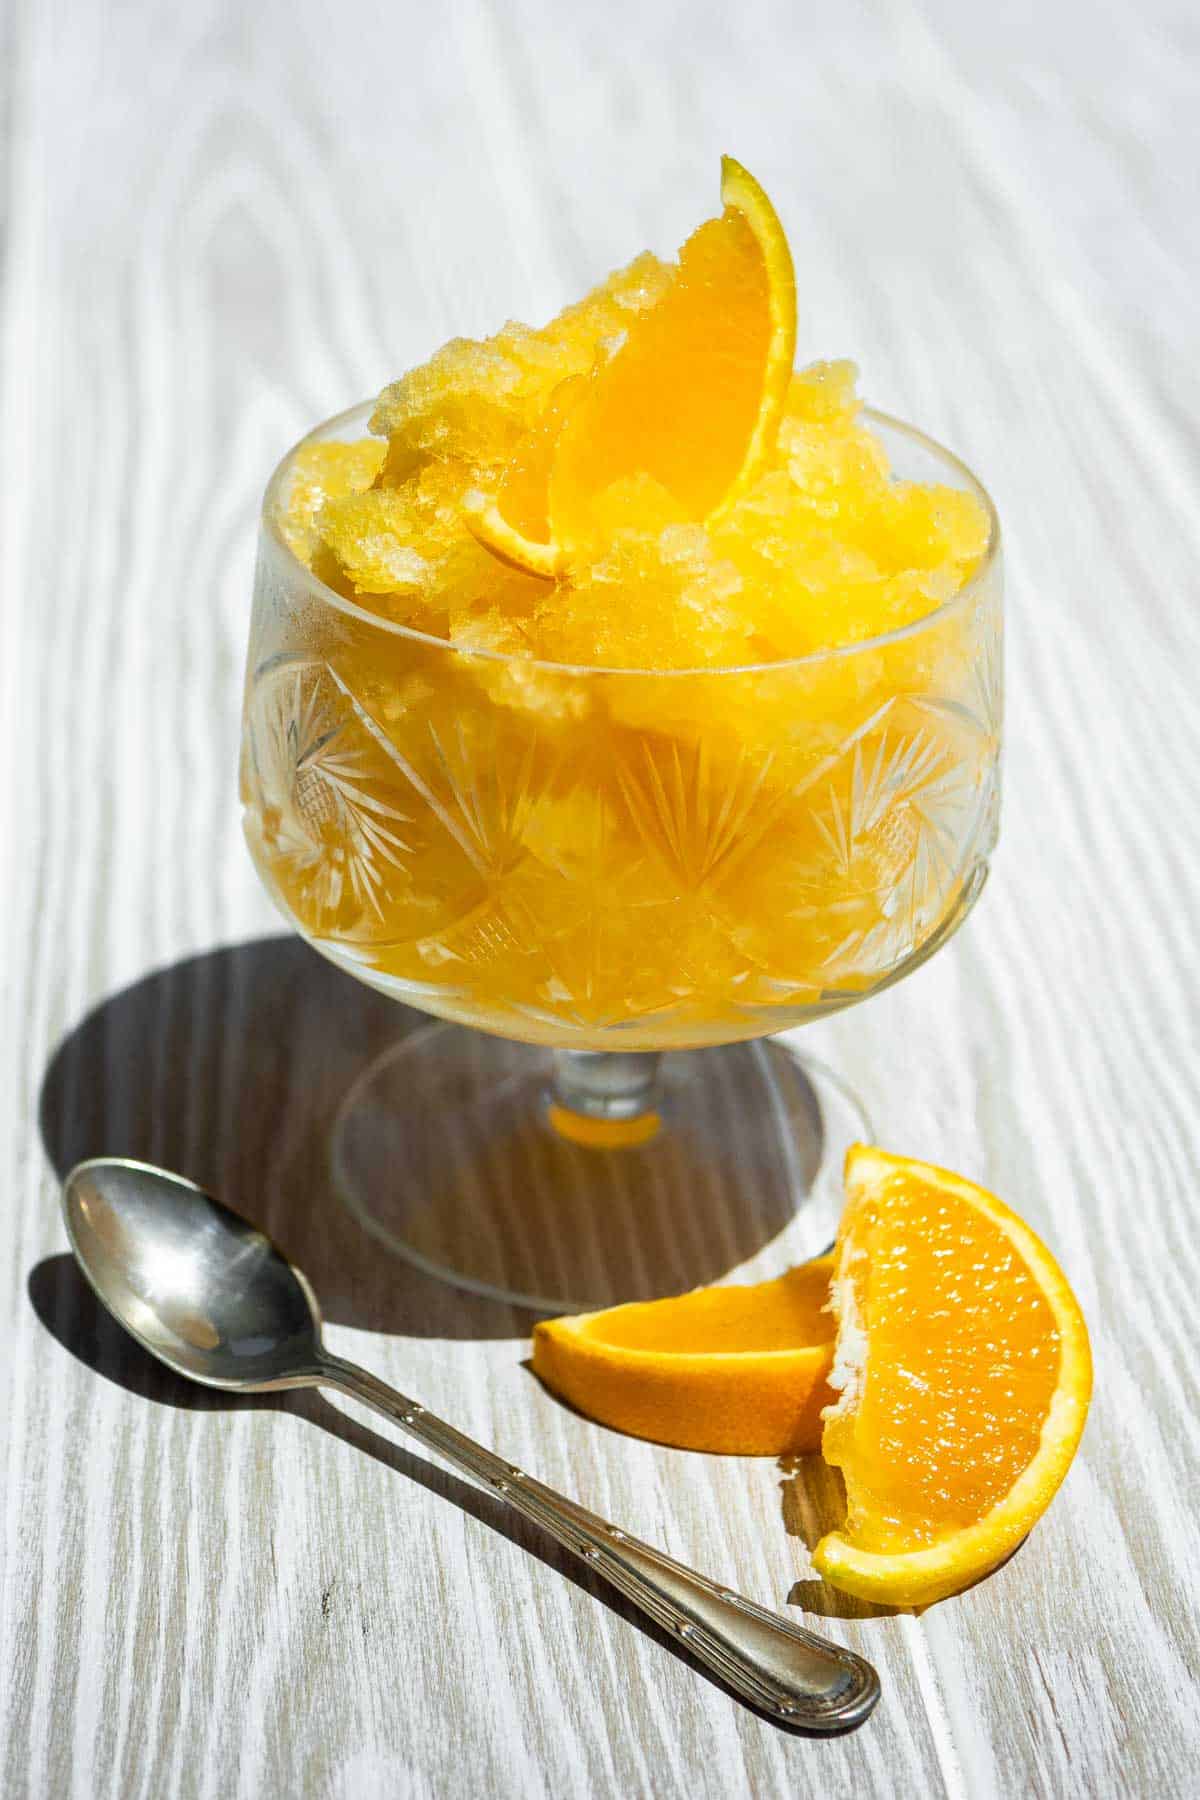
(607, 1084)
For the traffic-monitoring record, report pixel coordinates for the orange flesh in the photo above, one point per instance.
(654, 411)
(787, 1314)
(962, 1361)
(823, 549)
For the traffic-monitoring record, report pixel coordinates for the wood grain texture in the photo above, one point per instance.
(223, 222)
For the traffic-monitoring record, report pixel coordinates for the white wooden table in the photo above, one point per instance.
(223, 222)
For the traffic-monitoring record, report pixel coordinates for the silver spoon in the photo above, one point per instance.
(212, 1297)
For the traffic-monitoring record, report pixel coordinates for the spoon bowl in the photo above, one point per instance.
(197, 1285)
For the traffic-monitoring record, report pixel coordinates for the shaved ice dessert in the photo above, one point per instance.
(644, 688)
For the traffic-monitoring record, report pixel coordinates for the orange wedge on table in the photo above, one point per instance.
(965, 1374)
(734, 1369)
(685, 411)
(962, 1372)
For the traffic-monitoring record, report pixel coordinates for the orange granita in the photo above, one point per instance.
(322, 473)
(642, 482)
(576, 840)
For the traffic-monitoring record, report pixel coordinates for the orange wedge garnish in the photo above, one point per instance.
(965, 1373)
(734, 1369)
(687, 406)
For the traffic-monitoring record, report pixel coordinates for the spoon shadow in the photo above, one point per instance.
(75, 1318)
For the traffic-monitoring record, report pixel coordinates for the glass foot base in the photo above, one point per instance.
(445, 1149)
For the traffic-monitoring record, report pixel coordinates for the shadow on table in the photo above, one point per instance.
(228, 1067)
(71, 1313)
(813, 1501)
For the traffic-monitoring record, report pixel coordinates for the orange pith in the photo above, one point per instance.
(967, 1374)
(734, 1370)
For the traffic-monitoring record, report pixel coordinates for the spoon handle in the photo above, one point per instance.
(791, 1673)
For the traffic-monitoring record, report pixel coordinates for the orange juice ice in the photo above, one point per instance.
(661, 704)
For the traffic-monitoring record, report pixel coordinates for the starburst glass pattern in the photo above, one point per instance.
(594, 899)
(894, 834)
(473, 788)
(321, 803)
(483, 799)
(567, 902)
(697, 816)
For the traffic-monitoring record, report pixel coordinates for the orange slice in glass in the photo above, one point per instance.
(965, 1373)
(690, 402)
(734, 1369)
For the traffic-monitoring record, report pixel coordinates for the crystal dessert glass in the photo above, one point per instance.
(611, 887)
